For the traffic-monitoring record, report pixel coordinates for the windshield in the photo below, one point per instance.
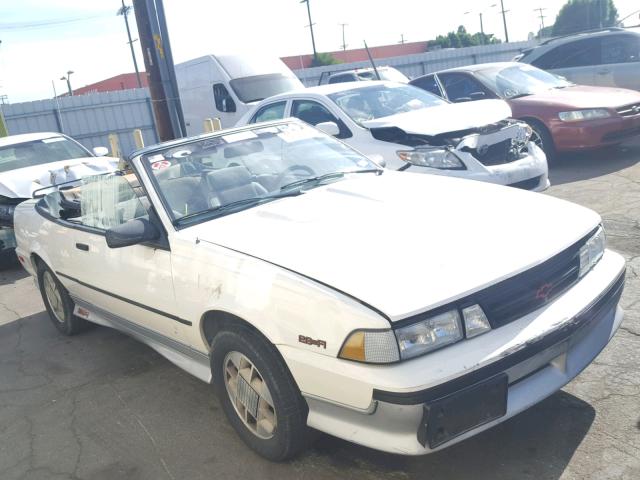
(259, 87)
(377, 101)
(520, 80)
(38, 152)
(228, 172)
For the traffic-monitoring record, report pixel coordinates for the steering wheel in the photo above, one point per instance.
(289, 172)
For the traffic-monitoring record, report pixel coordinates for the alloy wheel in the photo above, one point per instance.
(53, 296)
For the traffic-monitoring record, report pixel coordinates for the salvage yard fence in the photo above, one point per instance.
(422, 63)
(89, 119)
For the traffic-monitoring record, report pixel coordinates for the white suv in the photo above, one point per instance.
(607, 58)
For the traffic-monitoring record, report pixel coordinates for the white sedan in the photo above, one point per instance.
(32, 161)
(315, 291)
(413, 130)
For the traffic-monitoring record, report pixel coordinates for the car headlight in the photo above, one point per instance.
(430, 334)
(592, 251)
(6, 215)
(436, 157)
(580, 115)
(371, 346)
(523, 134)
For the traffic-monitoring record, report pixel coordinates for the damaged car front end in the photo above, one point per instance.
(7, 238)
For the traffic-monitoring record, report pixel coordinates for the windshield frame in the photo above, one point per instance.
(139, 162)
(43, 140)
(488, 77)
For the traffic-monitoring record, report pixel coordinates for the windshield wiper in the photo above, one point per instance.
(238, 203)
(328, 176)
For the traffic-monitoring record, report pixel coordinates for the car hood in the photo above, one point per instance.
(582, 96)
(401, 242)
(22, 182)
(448, 117)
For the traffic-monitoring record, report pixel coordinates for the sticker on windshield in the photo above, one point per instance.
(155, 158)
(295, 133)
(236, 137)
(53, 139)
(161, 165)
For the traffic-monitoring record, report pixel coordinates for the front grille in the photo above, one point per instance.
(521, 294)
(528, 184)
(629, 110)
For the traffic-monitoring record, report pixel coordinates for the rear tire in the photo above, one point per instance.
(259, 395)
(543, 139)
(58, 303)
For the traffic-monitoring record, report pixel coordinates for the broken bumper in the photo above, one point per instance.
(7, 239)
(398, 417)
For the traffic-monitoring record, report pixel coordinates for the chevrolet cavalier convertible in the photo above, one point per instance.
(317, 291)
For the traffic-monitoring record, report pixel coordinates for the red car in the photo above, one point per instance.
(564, 116)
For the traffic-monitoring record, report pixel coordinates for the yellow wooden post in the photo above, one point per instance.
(217, 125)
(115, 145)
(3, 125)
(212, 125)
(137, 137)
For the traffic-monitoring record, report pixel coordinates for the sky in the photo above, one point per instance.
(43, 39)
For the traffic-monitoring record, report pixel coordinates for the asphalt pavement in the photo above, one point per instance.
(103, 406)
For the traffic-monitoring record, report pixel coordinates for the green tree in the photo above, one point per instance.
(324, 59)
(462, 38)
(580, 15)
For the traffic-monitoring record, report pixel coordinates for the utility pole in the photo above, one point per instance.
(542, 16)
(402, 41)
(124, 11)
(67, 77)
(313, 40)
(344, 43)
(504, 21)
(154, 40)
(3, 125)
(481, 24)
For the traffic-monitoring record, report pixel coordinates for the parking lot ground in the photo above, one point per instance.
(102, 406)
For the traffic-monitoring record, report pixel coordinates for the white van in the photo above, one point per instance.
(227, 86)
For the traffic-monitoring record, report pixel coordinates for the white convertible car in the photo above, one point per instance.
(316, 290)
(416, 131)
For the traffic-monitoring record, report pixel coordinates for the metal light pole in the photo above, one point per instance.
(481, 22)
(344, 43)
(67, 77)
(124, 11)
(313, 40)
(504, 21)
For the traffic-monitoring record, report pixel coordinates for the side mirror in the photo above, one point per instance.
(100, 151)
(330, 128)
(379, 159)
(133, 232)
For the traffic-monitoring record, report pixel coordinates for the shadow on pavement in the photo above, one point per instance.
(574, 167)
(11, 273)
(537, 444)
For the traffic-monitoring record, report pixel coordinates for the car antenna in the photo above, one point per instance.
(371, 60)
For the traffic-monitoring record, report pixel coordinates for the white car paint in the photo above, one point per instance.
(360, 253)
(428, 121)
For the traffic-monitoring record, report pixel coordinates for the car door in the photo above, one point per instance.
(269, 112)
(132, 283)
(430, 84)
(463, 87)
(577, 61)
(620, 65)
(314, 112)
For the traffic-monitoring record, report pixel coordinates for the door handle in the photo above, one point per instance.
(82, 246)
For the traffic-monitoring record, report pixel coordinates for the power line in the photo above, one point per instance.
(49, 23)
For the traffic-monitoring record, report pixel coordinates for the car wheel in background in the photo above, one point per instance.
(259, 395)
(543, 139)
(58, 303)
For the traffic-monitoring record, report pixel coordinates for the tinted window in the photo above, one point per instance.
(620, 49)
(349, 77)
(580, 53)
(224, 102)
(259, 87)
(273, 111)
(314, 113)
(429, 84)
(461, 85)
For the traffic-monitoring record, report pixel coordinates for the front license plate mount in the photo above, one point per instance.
(449, 417)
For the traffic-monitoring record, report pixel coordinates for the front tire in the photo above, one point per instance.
(58, 303)
(543, 139)
(258, 394)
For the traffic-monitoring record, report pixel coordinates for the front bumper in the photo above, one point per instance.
(538, 364)
(530, 172)
(594, 133)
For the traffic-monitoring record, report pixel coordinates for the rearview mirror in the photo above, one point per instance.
(133, 232)
(100, 151)
(330, 128)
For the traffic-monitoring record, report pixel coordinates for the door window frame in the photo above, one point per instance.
(345, 132)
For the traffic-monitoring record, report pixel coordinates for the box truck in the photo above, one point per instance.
(227, 86)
